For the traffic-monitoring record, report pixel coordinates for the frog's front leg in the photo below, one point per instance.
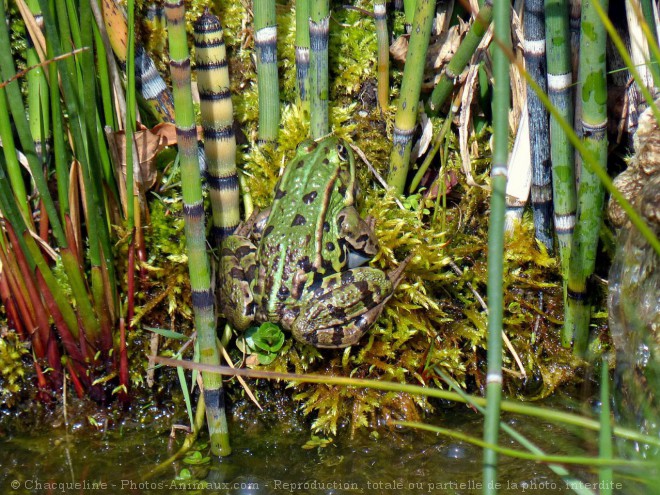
(339, 312)
(238, 265)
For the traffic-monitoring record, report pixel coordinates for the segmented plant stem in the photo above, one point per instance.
(593, 92)
(217, 121)
(302, 50)
(406, 115)
(265, 25)
(501, 95)
(37, 94)
(319, 31)
(560, 79)
(461, 58)
(193, 210)
(147, 78)
(380, 16)
(541, 192)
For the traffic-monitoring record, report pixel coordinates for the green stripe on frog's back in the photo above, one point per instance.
(217, 121)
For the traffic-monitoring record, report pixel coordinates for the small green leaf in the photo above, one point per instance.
(266, 358)
(196, 458)
(184, 475)
(167, 333)
(269, 337)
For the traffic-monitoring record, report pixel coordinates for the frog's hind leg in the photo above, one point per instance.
(238, 266)
(339, 312)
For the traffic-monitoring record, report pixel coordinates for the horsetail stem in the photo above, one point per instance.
(217, 121)
(302, 50)
(461, 58)
(37, 94)
(380, 15)
(319, 31)
(501, 95)
(265, 25)
(539, 131)
(193, 210)
(148, 80)
(406, 115)
(593, 92)
(560, 79)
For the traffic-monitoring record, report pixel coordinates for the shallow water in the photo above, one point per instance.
(269, 460)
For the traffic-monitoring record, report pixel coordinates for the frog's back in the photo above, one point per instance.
(301, 235)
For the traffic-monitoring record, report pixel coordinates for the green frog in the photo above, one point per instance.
(297, 264)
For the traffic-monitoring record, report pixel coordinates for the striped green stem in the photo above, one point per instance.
(501, 95)
(560, 80)
(302, 50)
(148, 81)
(380, 16)
(406, 115)
(539, 125)
(265, 26)
(460, 59)
(217, 121)
(319, 32)
(593, 90)
(193, 210)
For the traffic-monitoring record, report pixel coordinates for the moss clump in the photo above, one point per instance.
(12, 368)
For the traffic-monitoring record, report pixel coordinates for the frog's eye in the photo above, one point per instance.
(342, 152)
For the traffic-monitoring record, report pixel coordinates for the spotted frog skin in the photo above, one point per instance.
(297, 264)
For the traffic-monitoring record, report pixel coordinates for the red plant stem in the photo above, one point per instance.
(139, 243)
(123, 362)
(17, 291)
(43, 224)
(55, 361)
(41, 336)
(69, 232)
(67, 338)
(10, 304)
(77, 385)
(130, 305)
(42, 384)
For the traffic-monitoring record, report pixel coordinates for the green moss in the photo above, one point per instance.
(12, 368)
